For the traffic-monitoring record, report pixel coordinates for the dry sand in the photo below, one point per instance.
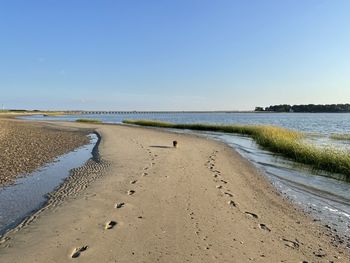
(200, 202)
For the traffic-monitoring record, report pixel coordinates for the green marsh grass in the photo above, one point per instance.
(89, 120)
(282, 141)
(340, 137)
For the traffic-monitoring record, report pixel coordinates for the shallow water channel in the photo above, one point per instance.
(29, 193)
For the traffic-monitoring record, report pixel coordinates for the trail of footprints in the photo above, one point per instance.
(221, 183)
(217, 179)
(111, 224)
(203, 243)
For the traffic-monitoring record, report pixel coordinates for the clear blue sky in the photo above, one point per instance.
(173, 55)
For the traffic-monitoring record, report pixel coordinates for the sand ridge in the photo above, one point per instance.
(200, 202)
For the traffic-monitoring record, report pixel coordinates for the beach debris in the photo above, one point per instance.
(175, 144)
(110, 224)
(251, 214)
(131, 192)
(77, 251)
(264, 227)
(119, 205)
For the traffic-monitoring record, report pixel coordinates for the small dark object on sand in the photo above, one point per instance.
(175, 144)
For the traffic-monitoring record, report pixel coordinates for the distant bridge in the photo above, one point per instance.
(141, 112)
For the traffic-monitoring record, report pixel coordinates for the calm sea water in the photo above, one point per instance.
(322, 123)
(319, 193)
(319, 126)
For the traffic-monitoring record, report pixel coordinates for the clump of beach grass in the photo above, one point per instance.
(89, 120)
(340, 137)
(285, 142)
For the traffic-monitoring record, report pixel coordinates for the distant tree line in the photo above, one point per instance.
(16, 110)
(306, 108)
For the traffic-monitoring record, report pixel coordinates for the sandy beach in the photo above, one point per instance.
(199, 202)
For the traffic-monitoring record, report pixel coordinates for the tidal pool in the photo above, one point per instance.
(29, 192)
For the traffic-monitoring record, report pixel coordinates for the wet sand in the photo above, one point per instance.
(26, 147)
(200, 202)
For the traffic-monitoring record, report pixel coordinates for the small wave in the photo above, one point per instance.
(333, 210)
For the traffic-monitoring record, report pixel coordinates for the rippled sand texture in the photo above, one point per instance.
(25, 147)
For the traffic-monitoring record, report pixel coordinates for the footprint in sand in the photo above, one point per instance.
(264, 227)
(110, 224)
(144, 174)
(251, 214)
(133, 182)
(119, 205)
(290, 243)
(131, 192)
(219, 186)
(223, 181)
(228, 194)
(232, 203)
(77, 251)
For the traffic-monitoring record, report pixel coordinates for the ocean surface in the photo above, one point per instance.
(319, 126)
(319, 193)
(323, 123)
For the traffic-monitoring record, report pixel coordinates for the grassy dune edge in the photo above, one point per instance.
(282, 141)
